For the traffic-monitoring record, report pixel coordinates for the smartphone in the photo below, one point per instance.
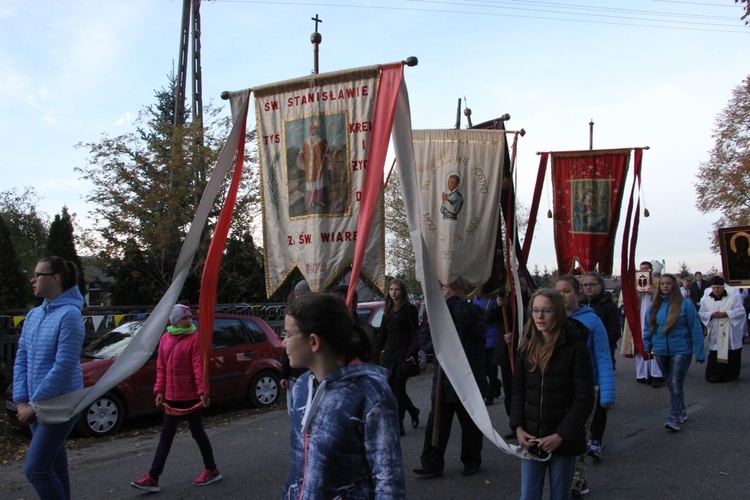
(537, 451)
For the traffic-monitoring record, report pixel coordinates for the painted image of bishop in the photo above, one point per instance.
(311, 159)
(453, 201)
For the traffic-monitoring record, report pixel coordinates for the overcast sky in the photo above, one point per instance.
(649, 73)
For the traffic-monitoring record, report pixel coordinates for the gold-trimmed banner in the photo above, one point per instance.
(313, 149)
(459, 174)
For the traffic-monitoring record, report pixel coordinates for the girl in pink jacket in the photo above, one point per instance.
(179, 386)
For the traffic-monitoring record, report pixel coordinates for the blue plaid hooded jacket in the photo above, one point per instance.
(345, 439)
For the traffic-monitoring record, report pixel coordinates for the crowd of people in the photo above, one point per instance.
(346, 383)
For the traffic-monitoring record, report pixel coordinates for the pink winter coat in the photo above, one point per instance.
(178, 368)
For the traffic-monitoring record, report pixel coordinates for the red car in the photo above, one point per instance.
(244, 364)
(371, 313)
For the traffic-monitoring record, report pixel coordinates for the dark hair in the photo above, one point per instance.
(67, 270)
(390, 305)
(344, 290)
(573, 282)
(649, 264)
(327, 316)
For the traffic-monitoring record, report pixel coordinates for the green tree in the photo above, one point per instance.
(684, 271)
(724, 180)
(242, 278)
(133, 285)
(61, 242)
(401, 262)
(15, 291)
(543, 278)
(27, 226)
(147, 185)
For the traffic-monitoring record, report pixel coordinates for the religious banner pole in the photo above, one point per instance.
(316, 39)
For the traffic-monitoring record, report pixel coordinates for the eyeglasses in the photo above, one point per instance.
(545, 311)
(36, 275)
(589, 285)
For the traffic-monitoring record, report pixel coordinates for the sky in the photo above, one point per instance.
(653, 73)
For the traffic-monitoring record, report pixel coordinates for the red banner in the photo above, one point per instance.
(587, 197)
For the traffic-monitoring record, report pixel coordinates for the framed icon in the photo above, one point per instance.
(643, 281)
(734, 243)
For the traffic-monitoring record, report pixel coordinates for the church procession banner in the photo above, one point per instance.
(448, 348)
(313, 145)
(314, 136)
(588, 192)
(459, 174)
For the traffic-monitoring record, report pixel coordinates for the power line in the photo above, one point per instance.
(566, 5)
(657, 23)
(547, 11)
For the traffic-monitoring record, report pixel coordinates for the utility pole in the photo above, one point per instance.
(191, 9)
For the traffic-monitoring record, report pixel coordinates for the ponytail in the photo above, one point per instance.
(328, 317)
(66, 269)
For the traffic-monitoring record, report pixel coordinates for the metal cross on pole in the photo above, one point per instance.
(315, 39)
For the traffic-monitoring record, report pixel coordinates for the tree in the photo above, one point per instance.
(15, 291)
(724, 180)
(132, 285)
(147, 185)
(684, 271)
(398, 247)
(746, 15)
(241, 275)
(543, 278)
(27, 226)
(61, 242)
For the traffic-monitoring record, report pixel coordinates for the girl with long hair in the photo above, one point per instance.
(344, 437)
(47, 365)
(553, 394)
(672, 333)
(398, 334)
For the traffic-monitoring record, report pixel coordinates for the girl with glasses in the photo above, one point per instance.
(553, 394)
(48, 365)
(344, 426)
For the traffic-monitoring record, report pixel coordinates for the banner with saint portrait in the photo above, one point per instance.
(459, 174)
(588, 192)
(313, 146)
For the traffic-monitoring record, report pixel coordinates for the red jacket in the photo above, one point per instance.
(178, 368)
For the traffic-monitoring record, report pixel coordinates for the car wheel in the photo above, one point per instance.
(263, 390)
(102, 418)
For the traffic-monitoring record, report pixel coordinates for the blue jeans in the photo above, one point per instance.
(560, 477)
(674, 368)
(46, 465)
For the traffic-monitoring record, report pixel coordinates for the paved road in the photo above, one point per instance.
(709, 458)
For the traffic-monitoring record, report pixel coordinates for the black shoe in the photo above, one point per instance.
(497, 391)
(642, 380)
(401, 429)
(470, 471)
(427, 472)
(414, 418)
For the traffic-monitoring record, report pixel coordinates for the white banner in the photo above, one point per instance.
(314, 140)
(459, 174)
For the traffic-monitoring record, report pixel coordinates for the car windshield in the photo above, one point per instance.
(113, 343)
